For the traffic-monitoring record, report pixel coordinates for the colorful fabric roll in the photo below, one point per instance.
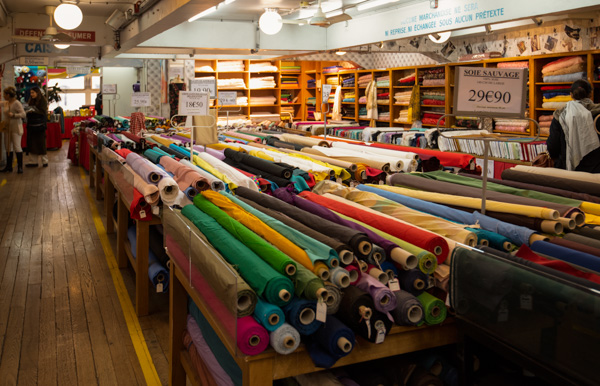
(413, 281)
(435, 309)
(581, 259)
(408, 311)
(307, 285)
(285, 339)
(157, 273)
(151, 173)
(268, 315)
(252, 338)
(334, 298)
(332, 341)
(383, 297)
(301, 314)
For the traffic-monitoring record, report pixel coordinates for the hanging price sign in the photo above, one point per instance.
(498, 92)
(140, 99)
(326, 92)
(193, 103)
(208, 85)
(227, 98)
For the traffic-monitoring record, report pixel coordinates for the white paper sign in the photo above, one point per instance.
(193, 103)
(140, 99)
(498, 92)
(176, 71)
(208, 85)
(109, 89)
(227, 98)
(77, 70)
(33, 61)
(326, 92)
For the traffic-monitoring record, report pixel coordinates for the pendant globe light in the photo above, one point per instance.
(68, 16)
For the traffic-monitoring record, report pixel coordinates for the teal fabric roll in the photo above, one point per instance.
(153, 155)
(269, 315)
(494, 239)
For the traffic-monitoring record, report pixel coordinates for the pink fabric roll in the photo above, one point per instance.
(245, 137)
(252, 338)
(206, 378)
(185, 176)
(351, 268)
(214, 152)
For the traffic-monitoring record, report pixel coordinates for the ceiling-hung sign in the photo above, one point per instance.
(78, 36)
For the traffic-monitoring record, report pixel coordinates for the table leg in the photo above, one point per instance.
(258, 373)
(141, 278)
(109, 202)
(98, 178)
(177, 323)
(122, 220)
(92, 168)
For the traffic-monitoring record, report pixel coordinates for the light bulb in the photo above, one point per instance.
(62, 46)
(68, 16)
(270, 22)
(440, 37)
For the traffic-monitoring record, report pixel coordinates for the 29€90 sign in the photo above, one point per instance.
(496, 92)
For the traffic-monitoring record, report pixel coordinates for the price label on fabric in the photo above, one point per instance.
(497, 92)
(140, 99)
(159, 288)
(490, 166)
(394, 285)
(193, 103)
(380, 332)
(142, 214)
(208, 85)
(526, 302)
(227, 98)
(321, 311)
(156, 210)
(326, 92)
(109, 89)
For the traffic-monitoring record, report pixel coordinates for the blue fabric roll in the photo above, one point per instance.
(293, 312)
(183, 153)
(569, 255)
(157, 273)
(263, 313)
(517, 234)
(190, 193)
(323, 345)
(389, 266)
(408, 281)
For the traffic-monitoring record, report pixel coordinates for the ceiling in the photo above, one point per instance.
(88, 7)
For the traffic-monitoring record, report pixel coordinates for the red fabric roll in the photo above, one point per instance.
(131, 136)
(409, 233)
(526, 253)
(123, 152)
(139, 209)
(436, 102)
(446, 158)
(548, 88)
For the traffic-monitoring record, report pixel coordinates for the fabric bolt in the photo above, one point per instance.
(258, 163)
(354, 272)
(383, 297)
(315, 250)
(306, 284)
(215, 183)
(185, 175)
(579, 258)
(413, 281)
(390, 269)
(278, 260)
(355, 302)
(139, 208)
(576, 246)
(215, 153)
(581, 182)
(435, 309)
(149, 191)
(257, 173)
(334, 298)
(349, 156)
(151, 173)
(252, 338)
(203, 374)
(582, 239)
(168, 190)
(340, 277)
(408, 311)
(377, 254)
(153, 155)
(209, 167)
(285, 339)
(268, 315)
(301, 314)
(341, 233)
(176, 150)
(157, 273)
(267, 282)
(324, 346)
(493, 239)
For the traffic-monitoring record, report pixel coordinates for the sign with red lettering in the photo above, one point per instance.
(78, 36)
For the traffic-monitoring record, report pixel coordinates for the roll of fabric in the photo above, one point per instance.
(554, 179)
(268, 315)
(185, 175)
(334, 298)
(202, 371)
(285, 339)
(576, 246)
(581, 259)
(307, 285)
(378, 274)
(390, 269)
(268, 283)
(149, 191)
(408, 311)
(151, 173)
(252, 338)
(215, 183)
(133, 137)
(258, 163)
(153, 155)
(301, 314)
(168, 190)
(190, 193)
(588, 232)
(215, 153)
(177, 151)
(435, 309)
(383, 297)
(340, 277)
(267, 252)
(157, 273)
(162, 140)
(302, 140)
(377, 255)
(413, 281)
(582, 240)
(332, 341)
(354, 273)
(355, 309)
(341, 233)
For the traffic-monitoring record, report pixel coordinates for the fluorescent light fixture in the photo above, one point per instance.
(440, 37)
(203, 13)
(372, 4)
(62, 46)
(340, 52)
(270, 22)
(228, 1)
(68, 16)
(334, 13)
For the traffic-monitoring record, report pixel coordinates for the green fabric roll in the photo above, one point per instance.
(431, 305)
(307, 283)
(473, 182)
(271, 255)
(258, 274)
(153, 155)
(315, 250)
(495, 240)
(427, 261)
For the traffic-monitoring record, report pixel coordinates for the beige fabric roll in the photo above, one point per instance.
(306, 141)
(346, 165)
(150, 192)
(561, 173)
(385, 166)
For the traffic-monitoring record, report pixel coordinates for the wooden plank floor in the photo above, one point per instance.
(61, 321)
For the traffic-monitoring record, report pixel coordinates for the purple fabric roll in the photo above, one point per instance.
(114, 137)
(151, 173)
(181, 138)
(207, 355)
(215, 153)
(383, 297)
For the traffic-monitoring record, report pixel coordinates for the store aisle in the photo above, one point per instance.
(60, 317)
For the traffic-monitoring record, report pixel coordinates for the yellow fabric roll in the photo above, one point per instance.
(385, 166)
(209, 168)
(261, 154)
(187, 135)
(223, 146)
(162, 140)
(339, 171)
(257, 226)
(590, 208)
(592, 219)
(474, 203)
(559, 98)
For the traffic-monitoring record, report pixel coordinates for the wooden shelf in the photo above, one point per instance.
(433, 105)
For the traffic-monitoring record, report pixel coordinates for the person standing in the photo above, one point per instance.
(37, 117)
(13, 114)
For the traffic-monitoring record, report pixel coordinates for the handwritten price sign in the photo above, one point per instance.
(494, 92)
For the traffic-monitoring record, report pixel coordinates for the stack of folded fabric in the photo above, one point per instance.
(263, 100)
(511, 125)
(311, 83)
(383, 98)
(205, 68)
(364, 80)
(289, 80)
(402, 98)
(230, 66)
(286, 110)
(289, 67)
(241, 99)
(402, 117)
(348, 111)
(431, 118)
(513, 65)
(262, 67)
(545, 121)
(434, 77)
(311, 101)
(332, 69)
(348, 81)
(286, 97)
(383, 81)
(383, 116)
(333, 80)
(433, 97)
(349, 96)
(262, 82)
(362, 112)
(555, 97)
(231, 83)
(362, 99)
(567, 69)
(310, 112)
(467, 122)
(408, 80)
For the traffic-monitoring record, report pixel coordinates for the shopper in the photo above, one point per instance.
(13, 114)
(37, 117)
(573, 143)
